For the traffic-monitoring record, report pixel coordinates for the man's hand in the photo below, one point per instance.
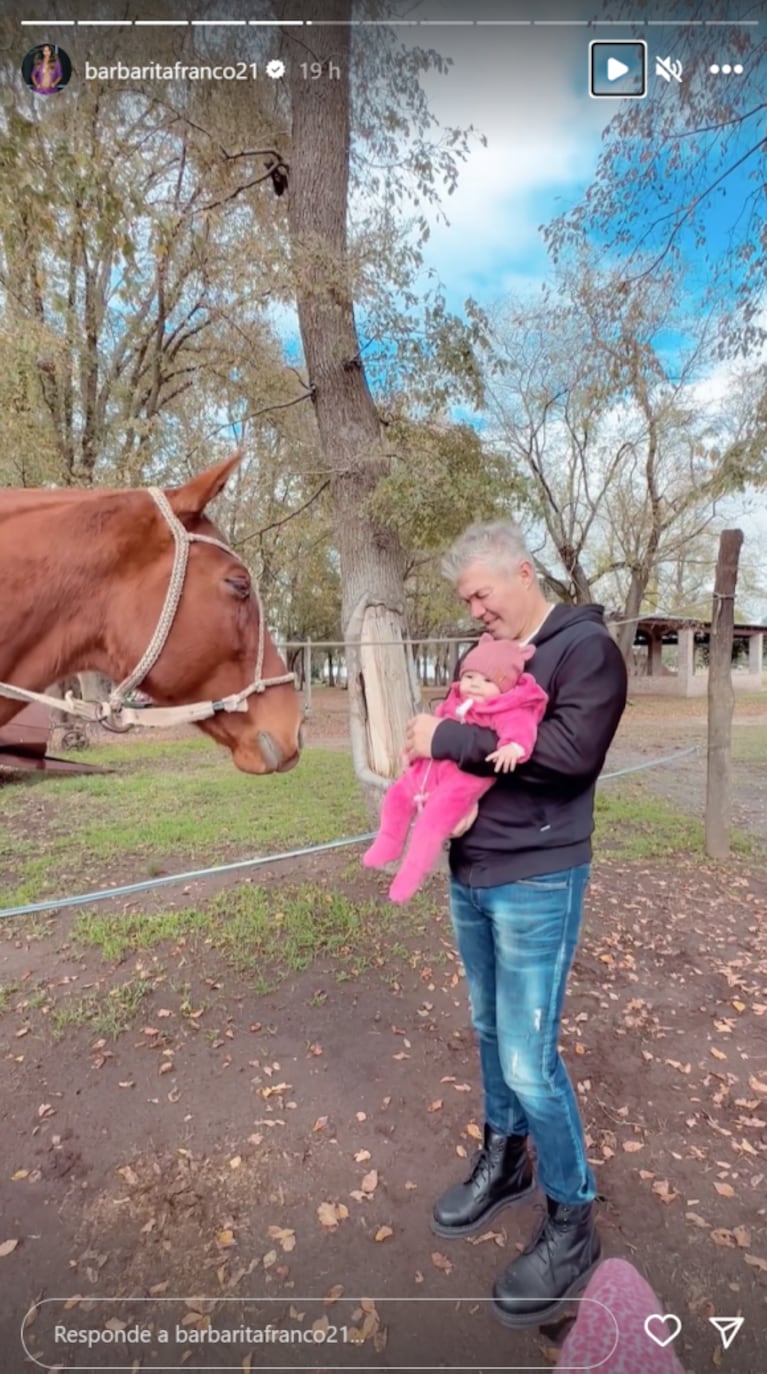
(418, 737)
(465, 824)
(506, 758)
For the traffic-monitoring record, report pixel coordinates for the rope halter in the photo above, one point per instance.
(114, 710)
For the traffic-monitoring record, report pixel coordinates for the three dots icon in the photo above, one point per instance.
(726, 69)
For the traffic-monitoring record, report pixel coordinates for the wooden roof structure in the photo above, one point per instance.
(666, 628)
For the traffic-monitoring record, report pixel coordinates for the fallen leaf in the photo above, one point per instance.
(361, 1156)
(320, 1123)
(631, 1146)
(286, 1237)
(383, 1233)
(130, 1176)
(435, 1106)
(718, 1054)
(664, 1192)
(696, 1220)
(461, 1150)
(235, 1161)
(8, 1247)
(362, 1116)
(19, 1175)
(442, 1262)
(333, 1294)
(370, 1182)
(725, 1189)
(757, 1087)
(225, 1238)
(330, 1213)
(756, 1263)
(720, 1236)
(474, 1131)
(742, 1236)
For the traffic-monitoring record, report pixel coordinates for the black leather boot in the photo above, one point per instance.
(558, 1263)
(501, 1174)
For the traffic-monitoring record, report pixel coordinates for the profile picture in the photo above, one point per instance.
(46, 69)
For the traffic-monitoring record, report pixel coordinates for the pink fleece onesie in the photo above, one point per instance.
(439, 794)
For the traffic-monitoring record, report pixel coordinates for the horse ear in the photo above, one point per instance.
(194, 496)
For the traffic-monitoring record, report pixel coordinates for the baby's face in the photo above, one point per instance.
(477, 685)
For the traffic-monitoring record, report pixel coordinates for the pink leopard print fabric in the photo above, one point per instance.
(592, 1342)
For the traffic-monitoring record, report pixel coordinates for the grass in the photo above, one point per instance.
(182, 801)
(105, 1014)
(633, 823)
(7, 992)
(264, 933)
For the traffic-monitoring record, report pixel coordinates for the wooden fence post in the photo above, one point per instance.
(308, 678)
(721, 698)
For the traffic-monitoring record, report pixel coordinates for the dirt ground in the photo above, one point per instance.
(238, 1159)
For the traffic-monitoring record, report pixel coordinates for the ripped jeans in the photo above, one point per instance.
(517, 942)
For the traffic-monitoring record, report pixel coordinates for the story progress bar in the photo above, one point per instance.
(391, 23)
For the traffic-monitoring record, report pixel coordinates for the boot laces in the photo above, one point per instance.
(481, 1166)
(544, 1235)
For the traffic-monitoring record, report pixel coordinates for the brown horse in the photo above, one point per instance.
(84, 576)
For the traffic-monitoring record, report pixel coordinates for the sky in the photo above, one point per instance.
(526, 90)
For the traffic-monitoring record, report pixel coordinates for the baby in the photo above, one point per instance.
(494, 691)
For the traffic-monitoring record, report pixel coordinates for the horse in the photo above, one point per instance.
(140, 585)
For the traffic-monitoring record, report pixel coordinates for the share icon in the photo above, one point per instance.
(728, 1328)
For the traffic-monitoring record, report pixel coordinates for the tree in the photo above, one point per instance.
(626, 462)
(679, 188)
(371, 554)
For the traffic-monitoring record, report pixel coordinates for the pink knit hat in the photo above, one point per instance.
(501, 660)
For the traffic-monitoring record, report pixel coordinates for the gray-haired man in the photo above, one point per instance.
(518, 878)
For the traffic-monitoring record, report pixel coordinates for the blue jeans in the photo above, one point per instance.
(517, 942)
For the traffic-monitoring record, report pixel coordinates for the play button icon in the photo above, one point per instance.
(618, 70)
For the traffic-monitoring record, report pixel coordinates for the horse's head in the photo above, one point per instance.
(211, 651)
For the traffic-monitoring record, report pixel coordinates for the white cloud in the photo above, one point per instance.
(526, 91)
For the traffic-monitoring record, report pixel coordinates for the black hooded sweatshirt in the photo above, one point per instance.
(539, 819)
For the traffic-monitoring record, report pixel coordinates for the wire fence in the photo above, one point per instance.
(323, 662)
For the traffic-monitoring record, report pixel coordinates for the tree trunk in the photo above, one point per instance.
(372, 564)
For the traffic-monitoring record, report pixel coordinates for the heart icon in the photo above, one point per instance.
(664, 1325)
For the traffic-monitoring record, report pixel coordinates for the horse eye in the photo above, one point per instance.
(240, 586)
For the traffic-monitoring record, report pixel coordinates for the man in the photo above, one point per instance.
(518, 877)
